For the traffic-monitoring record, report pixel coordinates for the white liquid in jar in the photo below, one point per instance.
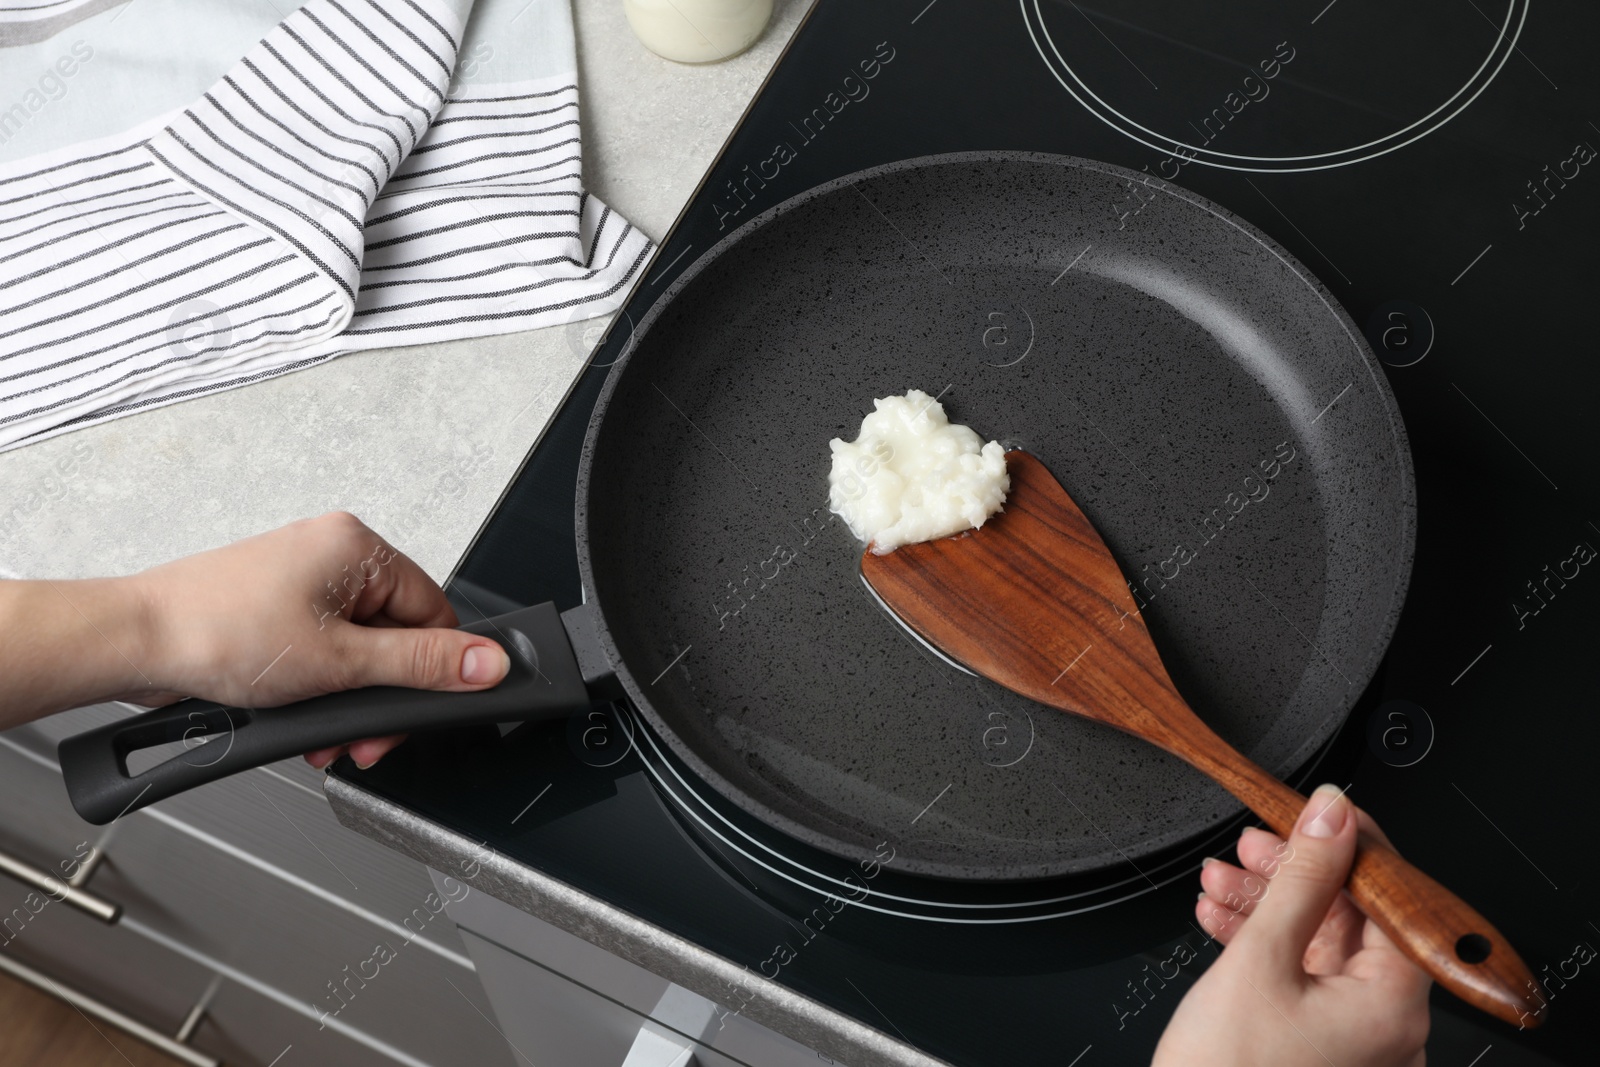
(913, 476)
(697, 31)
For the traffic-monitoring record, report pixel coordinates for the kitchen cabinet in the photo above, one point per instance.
(323, 939)
(561, 1000)
(551, 1019)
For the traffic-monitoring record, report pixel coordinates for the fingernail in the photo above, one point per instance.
(1325, 812)
(1208, 861)
(1202, 895)
(483, 664)
(367, 766)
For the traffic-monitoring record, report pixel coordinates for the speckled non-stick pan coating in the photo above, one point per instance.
(1198, 392)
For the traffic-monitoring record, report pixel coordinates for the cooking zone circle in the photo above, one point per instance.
(1235, 87)
(768, 864)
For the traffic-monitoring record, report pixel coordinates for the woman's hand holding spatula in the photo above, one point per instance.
(1306, 979)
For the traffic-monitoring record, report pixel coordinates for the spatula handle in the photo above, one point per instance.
(1443, 935)
(1436, 929)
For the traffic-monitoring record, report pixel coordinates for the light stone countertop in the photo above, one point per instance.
(418, 441)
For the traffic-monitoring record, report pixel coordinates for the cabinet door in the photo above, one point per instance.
(156, 983)
(559, 990)
(383, 961)
(548, 1019)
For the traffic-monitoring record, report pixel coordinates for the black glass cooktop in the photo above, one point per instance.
(1430, 163)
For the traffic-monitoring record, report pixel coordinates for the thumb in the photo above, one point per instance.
(1310, 874)
(423, 658)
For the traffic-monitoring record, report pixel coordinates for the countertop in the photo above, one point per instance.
(419, 441)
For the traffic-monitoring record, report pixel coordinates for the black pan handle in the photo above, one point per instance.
(544, 682)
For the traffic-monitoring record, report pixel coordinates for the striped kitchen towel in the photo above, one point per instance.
(26, 21)
(343, 186)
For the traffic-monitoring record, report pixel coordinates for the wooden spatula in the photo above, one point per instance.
(1035, 602)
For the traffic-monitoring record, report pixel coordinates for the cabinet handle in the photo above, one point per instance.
(67, 890)
(107, 1014)
(658, 1047)
(671, 1034)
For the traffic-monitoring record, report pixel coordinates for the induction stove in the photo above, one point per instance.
(1428, 163)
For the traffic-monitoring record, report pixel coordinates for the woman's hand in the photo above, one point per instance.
(315, 607)
(1306, 979)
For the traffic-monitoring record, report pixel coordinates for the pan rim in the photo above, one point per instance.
(1405, 492)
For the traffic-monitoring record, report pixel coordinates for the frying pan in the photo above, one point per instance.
(1200, 394)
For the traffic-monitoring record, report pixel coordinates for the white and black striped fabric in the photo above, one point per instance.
(24, 21)
(325, 196)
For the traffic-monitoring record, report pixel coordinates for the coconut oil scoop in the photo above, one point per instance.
(1033, 600)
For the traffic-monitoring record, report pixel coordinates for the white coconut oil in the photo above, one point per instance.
(912, 475)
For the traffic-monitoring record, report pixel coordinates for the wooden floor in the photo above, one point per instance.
(40, 1031)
